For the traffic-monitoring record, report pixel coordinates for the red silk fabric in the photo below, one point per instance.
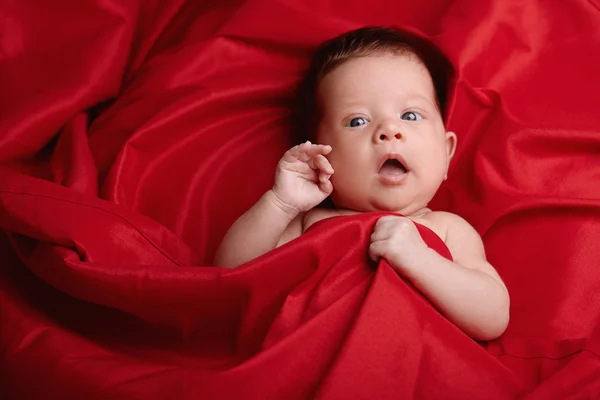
(133, 133)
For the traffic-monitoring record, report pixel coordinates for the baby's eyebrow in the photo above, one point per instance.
(350, 103)
(419, 100)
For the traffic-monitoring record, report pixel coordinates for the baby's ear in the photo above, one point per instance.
(451, 141)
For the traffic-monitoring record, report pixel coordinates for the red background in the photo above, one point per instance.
(133, 133)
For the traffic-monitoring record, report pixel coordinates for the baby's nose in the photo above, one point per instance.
(390, 136)
(389, 130)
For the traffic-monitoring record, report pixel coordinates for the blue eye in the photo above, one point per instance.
(411, 116)
(356, 122)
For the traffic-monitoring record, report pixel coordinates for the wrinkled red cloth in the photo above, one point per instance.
(133, 134)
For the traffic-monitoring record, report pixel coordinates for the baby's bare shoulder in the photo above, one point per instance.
(448, 226)
(454, 223)
(432, 220)
(461, 237)
(444, 216)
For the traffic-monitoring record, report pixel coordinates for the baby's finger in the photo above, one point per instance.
(387, 222)
(324, 177)
(307, 150)
(295, 152)
(375, 251)
(315, 149)
(323, 164)
(387, 218)
(320, 163)
(326, 187)
(380, 234)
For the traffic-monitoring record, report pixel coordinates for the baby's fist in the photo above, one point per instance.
(397, 239)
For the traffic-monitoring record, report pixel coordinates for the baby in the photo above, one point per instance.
(382, 147)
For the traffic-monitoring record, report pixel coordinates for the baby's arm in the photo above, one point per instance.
(301, 182)
(468, 291)
(257, 231)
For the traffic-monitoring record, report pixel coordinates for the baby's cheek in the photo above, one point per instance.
(346, 187)
(342, 187)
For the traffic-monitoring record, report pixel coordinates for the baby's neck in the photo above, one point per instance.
(419, 213)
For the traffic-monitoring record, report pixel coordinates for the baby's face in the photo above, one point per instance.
(377, 108)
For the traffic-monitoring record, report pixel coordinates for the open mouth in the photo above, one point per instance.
(392, 167)
(392, 170)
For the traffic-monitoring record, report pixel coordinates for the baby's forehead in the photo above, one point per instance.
(385, 71)
(408, 61)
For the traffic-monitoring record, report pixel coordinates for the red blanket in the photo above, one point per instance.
(133, 134)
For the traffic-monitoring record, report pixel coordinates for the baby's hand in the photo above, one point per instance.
(397, 239)
(302, 177)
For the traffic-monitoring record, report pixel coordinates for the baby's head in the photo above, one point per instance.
(374, 101)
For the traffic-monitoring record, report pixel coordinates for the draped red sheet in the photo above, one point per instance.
(133, 133)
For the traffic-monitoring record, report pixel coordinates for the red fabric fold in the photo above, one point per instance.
(133, 134)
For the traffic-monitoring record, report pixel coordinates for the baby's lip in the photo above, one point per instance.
(393, 156)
